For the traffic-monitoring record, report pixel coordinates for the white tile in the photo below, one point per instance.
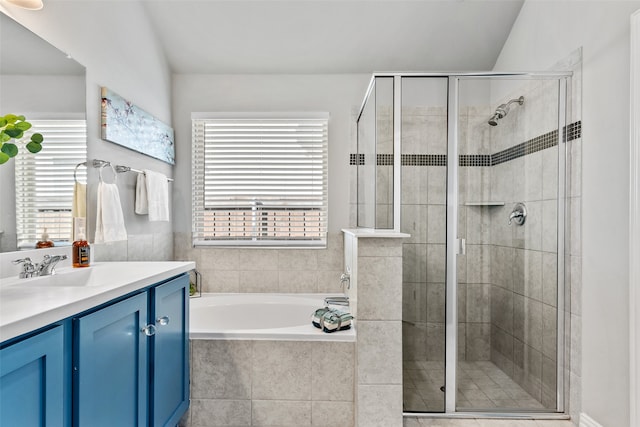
(280, 413)
(282, 370)
(297, 281)
(379, 288)
(214, 413)
(333, 371)
(379, 406)
(221, 369)
(379, 352)
(332, 414)
(258, 281)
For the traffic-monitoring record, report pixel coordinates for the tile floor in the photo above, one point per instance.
(435, 422)
(481, 385)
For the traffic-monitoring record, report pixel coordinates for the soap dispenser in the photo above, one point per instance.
(81, 251)
(44, 241)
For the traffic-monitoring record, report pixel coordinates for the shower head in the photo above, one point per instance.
(503, 110)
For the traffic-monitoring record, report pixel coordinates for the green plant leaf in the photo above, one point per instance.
(37, 138)
(3, 122)
(23, 126)
(11, 118)
(34, 147)
(10, 150)
(3, 158)
(4, 137)
(21, 118)
(14, 133)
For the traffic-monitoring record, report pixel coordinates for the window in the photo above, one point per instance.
(259, 181)
(44, 181)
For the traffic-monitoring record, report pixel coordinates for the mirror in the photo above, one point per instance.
(48, 87)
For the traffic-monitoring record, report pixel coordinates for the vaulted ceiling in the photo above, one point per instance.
(331, 36)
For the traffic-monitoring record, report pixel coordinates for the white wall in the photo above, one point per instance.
(337, 94)
(545, 33)
(115, 42)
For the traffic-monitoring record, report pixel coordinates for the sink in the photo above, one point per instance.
(64, 277)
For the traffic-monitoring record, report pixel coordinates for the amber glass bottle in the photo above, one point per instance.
(81, 251)
(44, 241)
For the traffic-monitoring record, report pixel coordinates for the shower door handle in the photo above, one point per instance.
(461, 246)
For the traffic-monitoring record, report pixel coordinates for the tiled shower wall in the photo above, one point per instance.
(424, 142)
(523, 259)
(507, 291)
(266, 270)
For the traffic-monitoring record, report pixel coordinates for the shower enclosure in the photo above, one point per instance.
(473, 167)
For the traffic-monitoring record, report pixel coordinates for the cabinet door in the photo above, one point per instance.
(32, 381)
(110, 366)
(170, 354)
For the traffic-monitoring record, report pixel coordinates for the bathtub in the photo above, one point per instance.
(279, 317)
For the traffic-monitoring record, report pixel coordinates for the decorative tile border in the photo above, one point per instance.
(550, 139)
(385, 160)
(424, 160)
(356, 159)
(475, 160)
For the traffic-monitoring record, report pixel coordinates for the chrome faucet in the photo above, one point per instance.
(337, 300)
(45, 268)
(28, 267)
(345, 278)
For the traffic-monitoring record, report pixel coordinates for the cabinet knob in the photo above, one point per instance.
(149, 330)
(164, 320)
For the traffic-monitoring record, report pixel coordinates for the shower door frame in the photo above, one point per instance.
(456, 245)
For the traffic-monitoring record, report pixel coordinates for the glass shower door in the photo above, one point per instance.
(508, 208)
(423, 216)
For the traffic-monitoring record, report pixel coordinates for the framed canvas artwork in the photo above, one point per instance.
(125, 124)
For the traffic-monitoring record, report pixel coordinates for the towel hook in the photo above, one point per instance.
(115, 175)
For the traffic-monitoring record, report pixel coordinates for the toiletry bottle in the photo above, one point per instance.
(81, 251)
(44, 241)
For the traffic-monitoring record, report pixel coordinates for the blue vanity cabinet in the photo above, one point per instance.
(131, 360)
(32, 384)
(169, 398)
(110, 365)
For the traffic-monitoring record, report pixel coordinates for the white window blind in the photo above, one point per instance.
(260, 181)
(44, 181)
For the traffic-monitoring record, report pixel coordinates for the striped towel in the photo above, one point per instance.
(331, 319)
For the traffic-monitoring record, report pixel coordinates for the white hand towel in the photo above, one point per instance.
(157, 196)
(142, 203)
(109, 218)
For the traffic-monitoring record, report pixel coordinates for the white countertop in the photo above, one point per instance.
(29, 304)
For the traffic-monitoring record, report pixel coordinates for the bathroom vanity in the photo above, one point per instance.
(101, 346)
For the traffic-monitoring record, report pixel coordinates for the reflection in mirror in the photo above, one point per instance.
(37, 191)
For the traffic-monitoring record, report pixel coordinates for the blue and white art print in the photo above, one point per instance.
(125, 124)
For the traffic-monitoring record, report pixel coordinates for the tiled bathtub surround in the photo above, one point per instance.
(137, 247)
(376, 265)
(271, 383)
(266, 270)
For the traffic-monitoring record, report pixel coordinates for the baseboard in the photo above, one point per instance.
(587, 421)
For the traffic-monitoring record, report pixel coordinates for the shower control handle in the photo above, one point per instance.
(518, 214)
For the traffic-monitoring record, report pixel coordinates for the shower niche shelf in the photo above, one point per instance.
(484, 203)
